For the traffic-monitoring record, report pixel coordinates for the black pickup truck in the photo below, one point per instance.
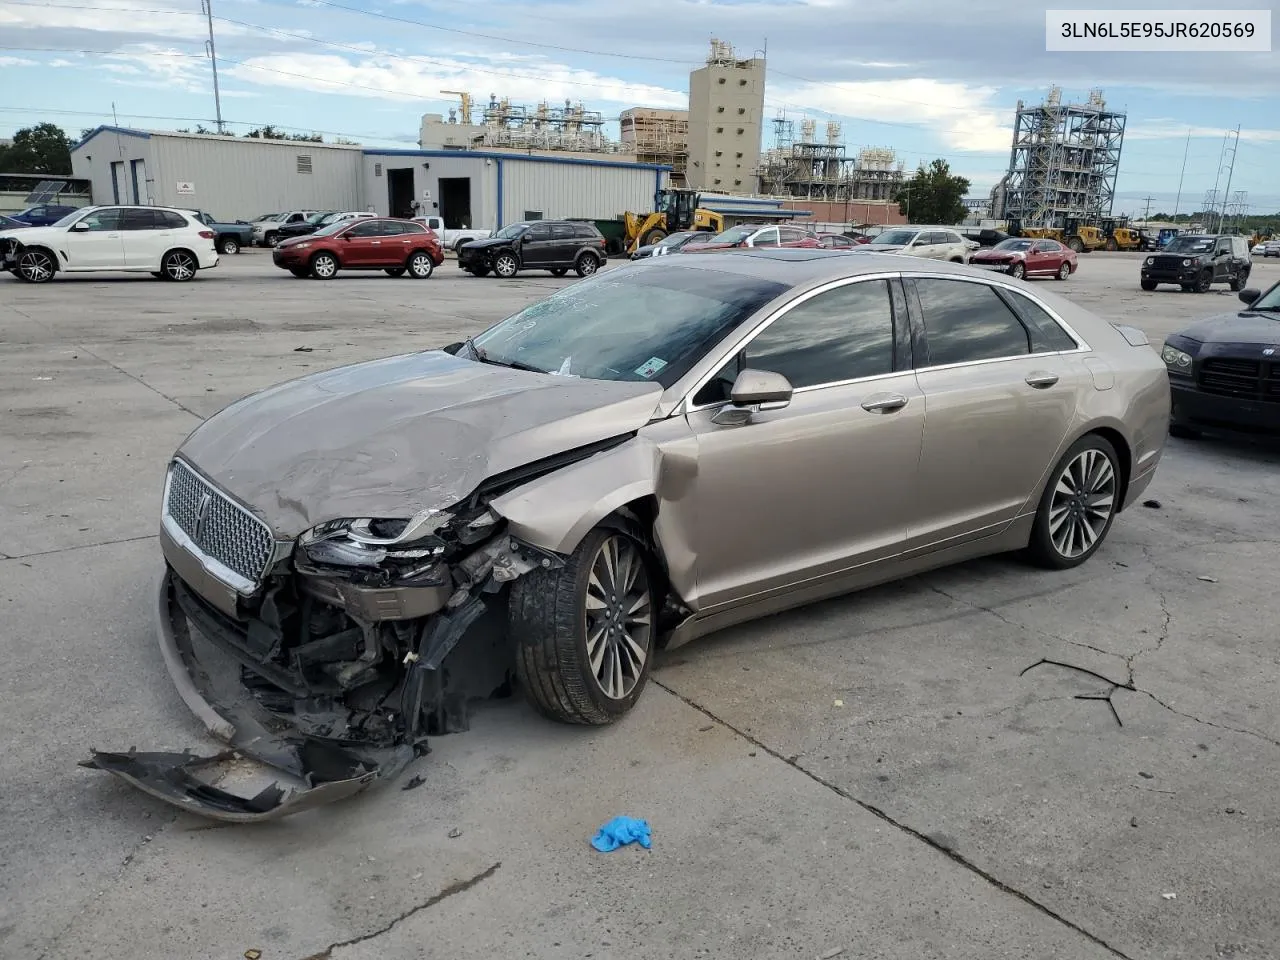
(231, 237)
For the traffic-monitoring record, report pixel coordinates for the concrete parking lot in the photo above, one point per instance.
(879, 776)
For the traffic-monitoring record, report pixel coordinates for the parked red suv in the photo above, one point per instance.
(757, 235)
(396, 246)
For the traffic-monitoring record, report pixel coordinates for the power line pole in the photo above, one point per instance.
(1147, 213)
(1230, 171)
(207, 9)
(1185, 153)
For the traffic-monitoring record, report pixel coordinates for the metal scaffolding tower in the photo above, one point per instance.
(571, 127)
(1064, 161)
(823, 169)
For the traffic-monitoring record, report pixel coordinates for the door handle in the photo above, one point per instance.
(376, 242)
(885, 404)
(1041, 380)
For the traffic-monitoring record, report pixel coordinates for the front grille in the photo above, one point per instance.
(1169, 263)
(219, 527)
(1244, 378)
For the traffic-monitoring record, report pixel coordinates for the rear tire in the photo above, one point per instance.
(179, 266)
(1064, 271)
(1076, 244)
(420, 265)
(229, 246)
(1240, 282)
(324, 266)
(1112, 245)
(555, 614)
(1078, 505)
(587, 265)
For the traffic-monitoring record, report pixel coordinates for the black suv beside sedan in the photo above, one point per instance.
(1196, 263)
(554, 245)
(1224, 372)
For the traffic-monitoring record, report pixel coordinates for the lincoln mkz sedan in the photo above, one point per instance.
(644, 457)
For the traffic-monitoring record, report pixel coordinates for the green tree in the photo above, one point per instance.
(268, 132)
(44, 148)
(933, 195)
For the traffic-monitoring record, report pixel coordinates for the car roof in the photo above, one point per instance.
(799, 266)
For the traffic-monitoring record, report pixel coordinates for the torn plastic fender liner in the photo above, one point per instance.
(323, 770)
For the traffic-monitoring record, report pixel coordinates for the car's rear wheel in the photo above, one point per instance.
(229, 246)
(1078, 505)
(505, 265)
(1148, 284)
(420, 265)
(1017, 271)
(588, 263)
(324, 266)
(585, 631)
(36, 266)
(559, 271)
(179, 266)
(1064, 270)
(1241, 280)
(395, 271)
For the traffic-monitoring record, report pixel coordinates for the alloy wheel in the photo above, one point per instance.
(1084, 499)
(420, 266)
(230, 247)
(324, 266)
(587, 266)
(619, 616)
(1064, 271)
(35, 266)
(179, 266)
(1204, 283)
(505, 266)
(1018, 271)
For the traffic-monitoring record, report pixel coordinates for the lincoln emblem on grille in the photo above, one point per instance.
(1268, 351)
(202, 511)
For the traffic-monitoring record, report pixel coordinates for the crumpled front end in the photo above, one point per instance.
(324, 662)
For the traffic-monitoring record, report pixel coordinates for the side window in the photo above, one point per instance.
(587, 232)
(1224, 246)
(170, 220)
(391, 228)
(790, 234)
(139, 218)
(766, 238)
(1046, 333)
(103, 220)
(410, 227)
(839, 335)
(365, 228)
(539, 231)
(968, 321)
(563, 231)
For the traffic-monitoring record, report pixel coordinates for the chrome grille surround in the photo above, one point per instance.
(229, 541)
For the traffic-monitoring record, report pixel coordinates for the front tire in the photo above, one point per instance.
(1076, 244)
(585, 631)
(505, 265)
(1148, 285)
(324, 266)
(36, 266)
(420, 265)
(229, 246)
(587, 265)
(300, 274)
(179, 266)
(1018, 271)
(1078, 505)
(1064, 271)
(395, 271)
(559, 271)
(271, 239)
(1204, 283)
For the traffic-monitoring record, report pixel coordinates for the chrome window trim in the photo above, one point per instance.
(686, 405)
(215, 568)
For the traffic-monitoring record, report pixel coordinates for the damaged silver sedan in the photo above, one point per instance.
(355, 557)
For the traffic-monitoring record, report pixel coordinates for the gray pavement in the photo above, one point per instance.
(874, 775)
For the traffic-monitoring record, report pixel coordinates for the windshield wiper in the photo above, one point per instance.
(483, 357)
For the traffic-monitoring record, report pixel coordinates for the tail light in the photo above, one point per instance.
(207, 234)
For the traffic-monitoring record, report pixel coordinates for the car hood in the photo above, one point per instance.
(293, 239)
(1244, 327)
(392, 437)
(990, 254)
(885, 246)
(33, 234)
(486, 242)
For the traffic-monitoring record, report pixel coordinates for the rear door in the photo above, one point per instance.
(566, 239)
(1222, 266)
(147, 236)
(100, 247)
(1000, 395)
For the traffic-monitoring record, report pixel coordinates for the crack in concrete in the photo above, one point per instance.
(1210, 723)
(82, 546)
(1105, 697)
(138, 380)
(461, 886)
(1166, 613)
(884, 816)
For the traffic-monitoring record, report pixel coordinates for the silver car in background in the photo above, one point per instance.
(652, 454)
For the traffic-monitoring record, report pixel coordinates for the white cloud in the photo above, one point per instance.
(965, 117)
(16, 62)
(1174, 130)
(418, 80)
(176, 21)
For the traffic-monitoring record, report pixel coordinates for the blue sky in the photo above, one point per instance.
(926, 77)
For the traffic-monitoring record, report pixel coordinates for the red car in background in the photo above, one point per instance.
(1024, 257)
(394, 246)
(757, 235)
(840, 241)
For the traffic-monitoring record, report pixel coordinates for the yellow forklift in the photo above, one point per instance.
(677, 209)
(1080, 237)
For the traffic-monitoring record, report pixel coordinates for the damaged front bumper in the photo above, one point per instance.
(308, 716)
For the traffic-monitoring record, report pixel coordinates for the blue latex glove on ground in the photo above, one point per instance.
(621, 831)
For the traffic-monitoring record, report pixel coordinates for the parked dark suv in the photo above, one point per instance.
(555, 245)
(1198, 262)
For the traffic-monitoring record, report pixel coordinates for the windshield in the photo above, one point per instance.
(1268, 301)
(733, 235)
(71, 217)
(330, 218)
(319, 217)
(675, 239)
(1013, 245)
(1190, 245)
(329, 229)
(898, 238)
(511, 232)
(640, 325)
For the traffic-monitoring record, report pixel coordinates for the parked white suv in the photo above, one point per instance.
(167, 243)
(936, 243)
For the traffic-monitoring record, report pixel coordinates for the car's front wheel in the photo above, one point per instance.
(585, 631)
(271, 239)
(505, 265)
(1017, 271)
(1078, 505)
(324, 266)
(1148, 284)
(395, 271)
(179, 265)
(36, 266)
(559, 271)
(1204, 282)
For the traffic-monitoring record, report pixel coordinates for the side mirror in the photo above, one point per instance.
(79, 227)
(753, 391)
(1249, 296)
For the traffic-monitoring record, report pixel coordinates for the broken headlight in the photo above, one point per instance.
(366, 542)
